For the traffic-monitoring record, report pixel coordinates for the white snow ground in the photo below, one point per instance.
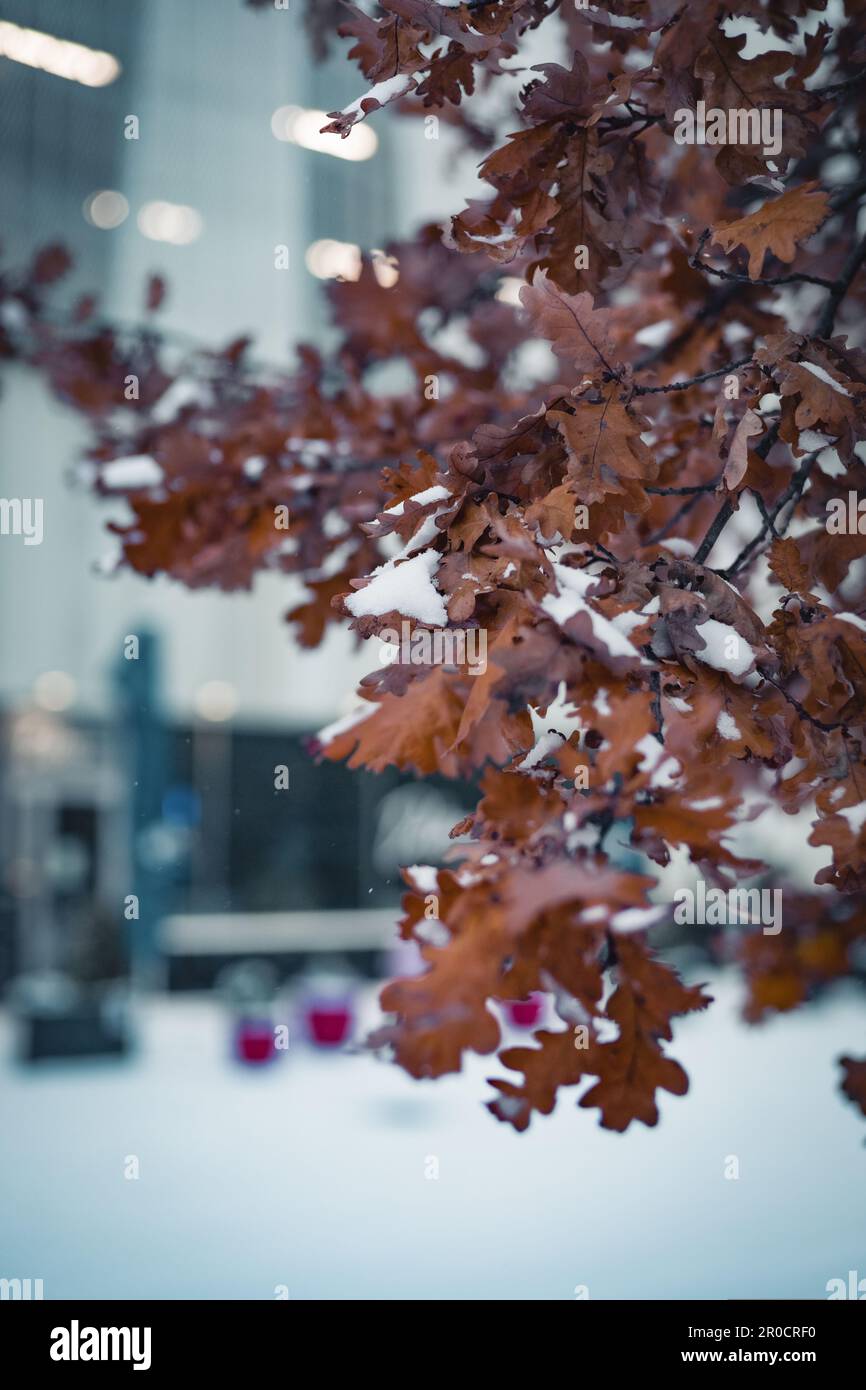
(311, 1174)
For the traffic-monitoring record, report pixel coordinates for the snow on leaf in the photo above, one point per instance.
(406, 587)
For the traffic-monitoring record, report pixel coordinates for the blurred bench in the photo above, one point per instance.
(196, 946)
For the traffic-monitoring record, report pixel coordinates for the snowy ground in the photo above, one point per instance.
(311, 1174)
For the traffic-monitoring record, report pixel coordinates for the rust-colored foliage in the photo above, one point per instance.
(666, 652)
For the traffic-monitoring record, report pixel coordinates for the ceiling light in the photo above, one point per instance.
(74, 61)
(106, 209)
(54, 690)
(216, 701)
(174, 222)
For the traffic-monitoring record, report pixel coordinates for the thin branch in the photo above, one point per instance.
(794, 490)
(825, 327)
(849, 193)
(792, 493)
(671, 525)
(797, 277)
(619, 122)
(720, 521)
(840, 289)
(656, 703)
(684, 491)
(693, 381)
(769, 522)
(801, 710)
(839, 86)
(726, 511)
(714, 306)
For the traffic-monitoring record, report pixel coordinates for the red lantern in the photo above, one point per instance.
(524, 1013)
(254, 1040)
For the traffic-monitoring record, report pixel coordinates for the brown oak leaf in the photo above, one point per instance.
(777, 226)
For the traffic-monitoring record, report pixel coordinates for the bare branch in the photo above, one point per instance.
(695, 380)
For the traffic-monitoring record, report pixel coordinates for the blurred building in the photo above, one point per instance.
(111, 783)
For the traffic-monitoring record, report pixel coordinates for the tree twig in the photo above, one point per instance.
(792, 493)
(801, 710)
(684, 491)
(693, 381)
(798, 277)
(840, 289)
(726, 511)
(671, 525)
(656, 704)
(838, 292)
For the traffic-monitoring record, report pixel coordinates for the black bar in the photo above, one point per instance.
(250, 1338)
